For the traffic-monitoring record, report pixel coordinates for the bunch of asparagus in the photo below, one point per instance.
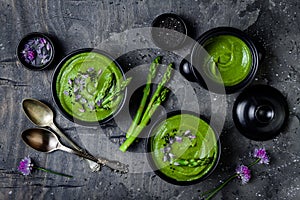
(144, 113)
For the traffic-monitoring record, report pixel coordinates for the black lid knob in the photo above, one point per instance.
(260, 112)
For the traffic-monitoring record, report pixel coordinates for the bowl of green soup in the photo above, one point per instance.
(183, 149)
(224, 60)
(88, 87)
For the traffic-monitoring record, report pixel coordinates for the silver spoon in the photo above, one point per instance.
(44, 140)
(41, 115)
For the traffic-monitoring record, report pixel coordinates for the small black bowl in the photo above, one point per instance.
(192, 68)
(169, 31)
(57, 100)
(155, 167)
(260, 112)
(36, 51)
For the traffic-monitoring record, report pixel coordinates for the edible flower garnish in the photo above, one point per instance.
(242, 172)
(37, 51)
(26, 166)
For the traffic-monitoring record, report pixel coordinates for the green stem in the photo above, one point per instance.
(213, 192)
(146, 92)
(254, 163)
(52, 172)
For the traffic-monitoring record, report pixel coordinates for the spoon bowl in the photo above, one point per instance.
(38, 112)
(40, 140)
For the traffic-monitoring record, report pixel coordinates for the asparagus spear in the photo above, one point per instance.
(115, 93)
(158, 97)
(105, 88)
(144, 122)
(192, 162)
(158, 90)
(146, 91)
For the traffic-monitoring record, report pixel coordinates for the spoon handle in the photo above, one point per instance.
(61, 134)
(115, 165)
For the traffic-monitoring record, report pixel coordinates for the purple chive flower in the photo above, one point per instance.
(244, 173)
(81, 110)
(262, 155)
(66, 93)
(25, 166)
(178, 139)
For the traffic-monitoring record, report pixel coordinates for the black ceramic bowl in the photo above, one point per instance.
(169, 170)
(195, 71)
(260, 112)
(36, 51)
(82, 64)
(169, 31)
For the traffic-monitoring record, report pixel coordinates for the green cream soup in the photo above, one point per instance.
(83, 83)
(184, 147)
(229, 61)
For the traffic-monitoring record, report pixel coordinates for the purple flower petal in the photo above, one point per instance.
(83, 100)
(70, 82)
(171, 140)
(43, 40)
(81, 110)
(192, 137)
(91, 106)
(172, 155)
(178, 139)
(66, 93)
(262, 155)
(48, 47)
(244, 173)
(99, 102)
(76, 88)
(77, 97)
(25, 166)
(165, 159)
(90, 69)
(186, 133)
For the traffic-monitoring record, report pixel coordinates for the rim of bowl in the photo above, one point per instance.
(151, 161)
(246, 39)
(177, 17)
(24, 40)
(57, 101)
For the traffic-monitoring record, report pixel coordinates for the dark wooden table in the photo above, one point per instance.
(122, 29)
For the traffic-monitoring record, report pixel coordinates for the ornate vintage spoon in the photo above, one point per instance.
(44, 140)
(41, 115)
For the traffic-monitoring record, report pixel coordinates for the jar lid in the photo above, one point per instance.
(260, 112)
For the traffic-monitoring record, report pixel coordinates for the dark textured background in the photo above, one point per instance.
(119, 27)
